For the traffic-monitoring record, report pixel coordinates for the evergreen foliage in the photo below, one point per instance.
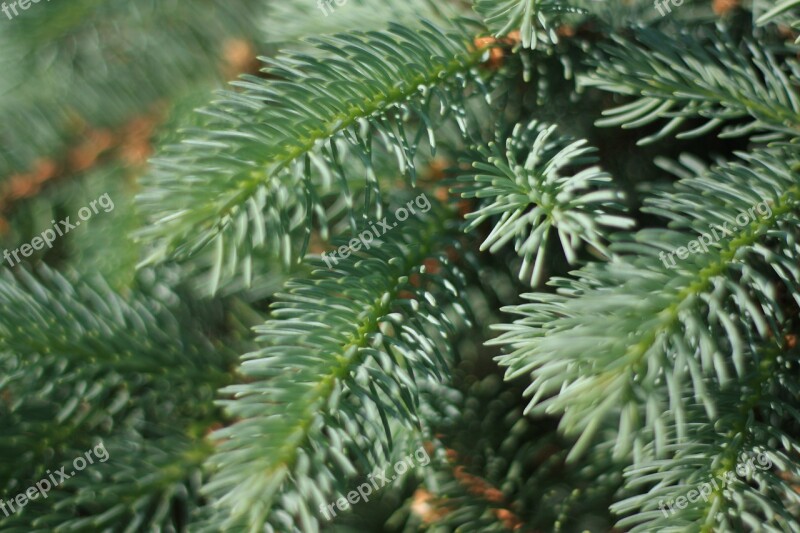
(594, 317)
(533, 190)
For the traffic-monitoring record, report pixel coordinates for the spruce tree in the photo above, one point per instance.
(404, 265)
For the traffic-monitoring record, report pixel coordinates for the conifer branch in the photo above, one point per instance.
(714, 79)
(739, 467)
(535, 20)
(346, 353)
(81, 364)
(541, 183)
(620, 329)
(256, 175)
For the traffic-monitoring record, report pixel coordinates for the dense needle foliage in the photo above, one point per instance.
(550, 246)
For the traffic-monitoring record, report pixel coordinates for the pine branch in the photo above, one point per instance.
(506, 472)
(257, 174)
(81, 364)
(781, 8)
(346, 351)
(541, 183)
(741, 468)
(143, 485)
(86, 321)
(633, 334)
(535, 20)
(682, 77)
(780, 11)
